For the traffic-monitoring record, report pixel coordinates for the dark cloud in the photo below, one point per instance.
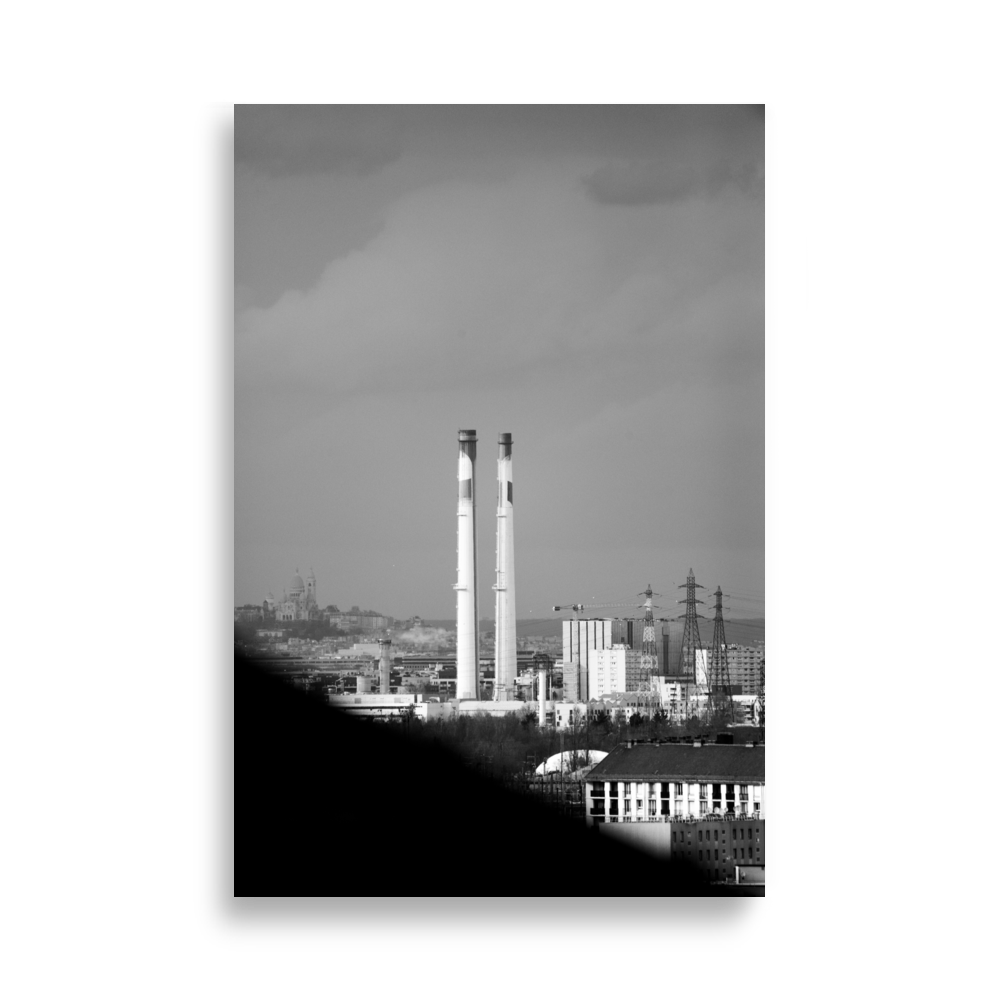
(474, 283)
(303, 139)
(661, 180)
(361, 139)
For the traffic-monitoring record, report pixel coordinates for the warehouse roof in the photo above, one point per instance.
(681, 761)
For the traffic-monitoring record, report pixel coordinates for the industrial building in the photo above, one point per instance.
(703, 802)
(367, 704)
(391, 706)
(494, 708)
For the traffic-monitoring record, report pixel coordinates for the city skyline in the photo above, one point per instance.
(589, 279)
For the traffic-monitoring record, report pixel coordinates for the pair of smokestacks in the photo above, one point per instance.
(467, 611)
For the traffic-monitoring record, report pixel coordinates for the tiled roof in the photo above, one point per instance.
(711, 761)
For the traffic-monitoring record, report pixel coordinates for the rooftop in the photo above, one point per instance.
(709, 761)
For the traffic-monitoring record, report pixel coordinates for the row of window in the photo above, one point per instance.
(709, 834)
(678, 835)
(676, 790)
(638, 806)
(746, 854)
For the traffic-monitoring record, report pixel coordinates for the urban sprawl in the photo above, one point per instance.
(661, 741)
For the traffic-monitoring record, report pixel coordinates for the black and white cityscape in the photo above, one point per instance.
(430, 301)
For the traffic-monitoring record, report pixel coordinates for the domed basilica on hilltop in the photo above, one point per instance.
(298, 602)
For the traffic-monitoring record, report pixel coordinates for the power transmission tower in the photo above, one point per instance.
(760, 700)
(720, 696)
(648, 654)
(687, 661)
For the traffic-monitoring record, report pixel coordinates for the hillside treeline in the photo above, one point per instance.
(508, 746)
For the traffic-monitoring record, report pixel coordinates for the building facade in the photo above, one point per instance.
(629, 632)
(744, 664)
(581, 638)
(615, 670)
(659, 781)
(678, 699)
(389, 706)
(703, 803)
(367, 621)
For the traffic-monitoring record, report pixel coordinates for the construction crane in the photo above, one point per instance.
(577, 608)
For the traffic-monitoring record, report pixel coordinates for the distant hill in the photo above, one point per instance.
(739, 631)
(540, 628)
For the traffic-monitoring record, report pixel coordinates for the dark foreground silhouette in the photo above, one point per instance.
(328, 805)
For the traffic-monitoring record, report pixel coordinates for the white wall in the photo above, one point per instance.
(685, 800)
(654, 838)
(607, 670)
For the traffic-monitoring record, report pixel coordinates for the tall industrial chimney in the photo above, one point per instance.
(543, 705)
(506, 623)
(384, 665)
(467, 611)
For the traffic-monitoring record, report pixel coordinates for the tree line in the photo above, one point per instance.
(506, 746)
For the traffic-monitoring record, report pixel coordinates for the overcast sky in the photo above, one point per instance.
(589, 279)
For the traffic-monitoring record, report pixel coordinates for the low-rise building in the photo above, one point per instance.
(703, 803)
(391, 706)
(678, 698)
(369, 621)
(746, 709)
(495, 708)
(569, 714)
